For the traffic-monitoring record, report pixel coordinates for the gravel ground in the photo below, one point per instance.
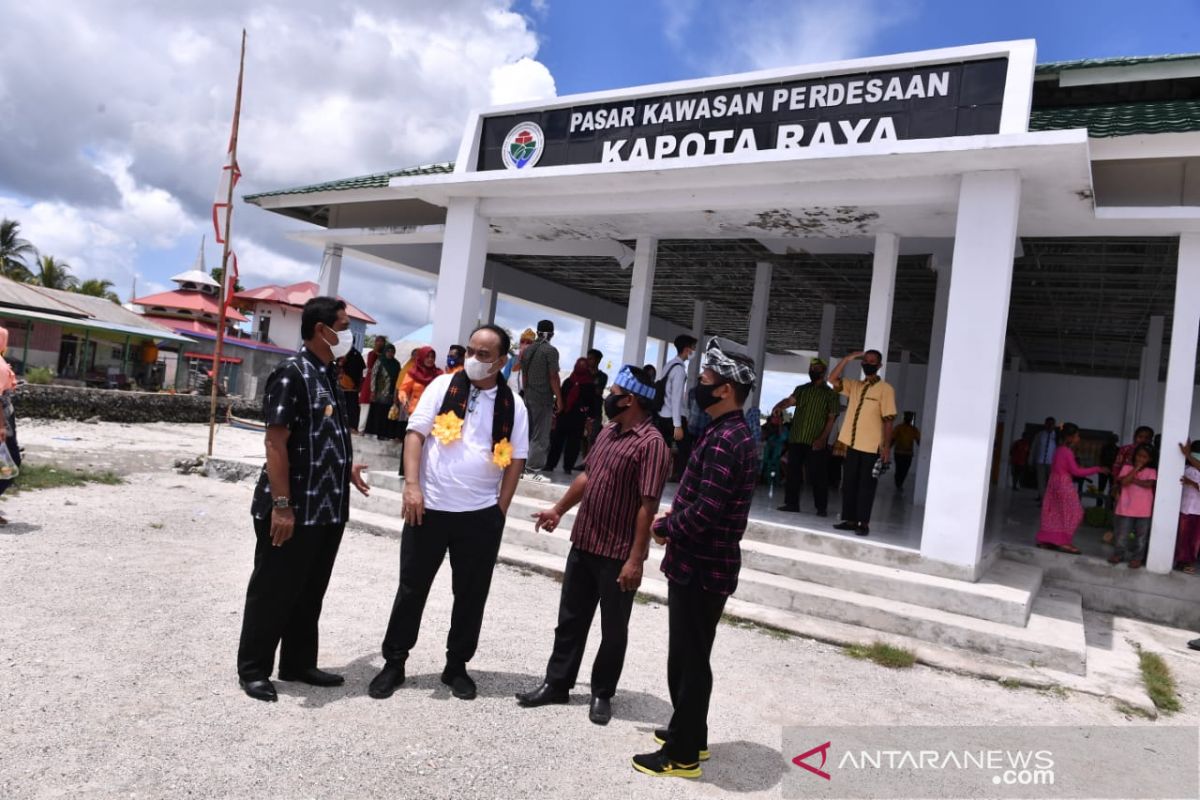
(122, 608)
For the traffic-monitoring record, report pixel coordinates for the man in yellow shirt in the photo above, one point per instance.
(905, 438)
(866, 433)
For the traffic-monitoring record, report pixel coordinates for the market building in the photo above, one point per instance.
(1019, 240)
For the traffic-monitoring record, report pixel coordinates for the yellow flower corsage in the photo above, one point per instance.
(447, 427)
(502, 453)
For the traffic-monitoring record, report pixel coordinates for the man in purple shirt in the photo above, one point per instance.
(702, 533)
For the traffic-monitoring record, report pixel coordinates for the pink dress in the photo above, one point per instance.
(1061, 510)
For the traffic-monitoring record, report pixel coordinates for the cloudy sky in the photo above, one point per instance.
(114, 114)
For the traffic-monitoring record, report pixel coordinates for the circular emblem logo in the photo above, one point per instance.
(523, 146)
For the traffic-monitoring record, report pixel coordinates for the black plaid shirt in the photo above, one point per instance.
(302, 393)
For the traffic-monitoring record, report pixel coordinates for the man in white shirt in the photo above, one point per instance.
(672, 418)
(466, 446)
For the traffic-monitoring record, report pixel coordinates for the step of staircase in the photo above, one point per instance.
(1046, 626)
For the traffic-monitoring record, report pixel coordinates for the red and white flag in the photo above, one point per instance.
(230, 174)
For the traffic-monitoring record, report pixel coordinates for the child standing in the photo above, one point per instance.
(1135, 504)
(1187, 541)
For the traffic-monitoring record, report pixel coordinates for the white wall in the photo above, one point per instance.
(1096, 403)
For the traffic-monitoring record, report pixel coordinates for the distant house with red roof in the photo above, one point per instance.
(192, 309)
(276, 313)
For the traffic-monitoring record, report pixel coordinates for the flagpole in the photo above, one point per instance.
(233, 137)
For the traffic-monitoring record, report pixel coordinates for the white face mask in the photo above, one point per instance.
(345, 340)
(478, 370)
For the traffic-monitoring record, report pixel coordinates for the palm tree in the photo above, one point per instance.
(13, 251)
(54, 274)
(99, 287)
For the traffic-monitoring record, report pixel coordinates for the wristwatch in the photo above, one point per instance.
(281, 502)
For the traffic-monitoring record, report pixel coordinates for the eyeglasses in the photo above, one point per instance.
(472, 398)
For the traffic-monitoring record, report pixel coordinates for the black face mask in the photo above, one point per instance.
(817, 376)
(612, 409)
(704, 394)
(870, 369)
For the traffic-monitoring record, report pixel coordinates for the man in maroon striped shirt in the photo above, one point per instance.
(620, 489)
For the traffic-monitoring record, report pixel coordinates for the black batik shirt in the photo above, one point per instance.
(302, 394)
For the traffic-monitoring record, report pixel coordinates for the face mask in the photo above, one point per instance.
(870, 369)
(612, 409)
(705, 394)
(816, 377)
(478, 370)
(451, 361)
(345, 340)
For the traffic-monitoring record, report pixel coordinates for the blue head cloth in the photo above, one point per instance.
(629, 382)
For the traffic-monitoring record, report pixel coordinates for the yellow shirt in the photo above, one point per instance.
(870, 404)
(903, 438)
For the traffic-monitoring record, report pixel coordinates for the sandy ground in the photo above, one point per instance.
(122, 608)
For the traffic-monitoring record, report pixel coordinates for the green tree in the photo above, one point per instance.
(99, 287)
(13, 251)
(218, 276)
(54, 274)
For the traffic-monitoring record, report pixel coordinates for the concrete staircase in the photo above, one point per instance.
(806, 581)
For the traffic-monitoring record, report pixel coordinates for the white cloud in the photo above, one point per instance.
(112, 147)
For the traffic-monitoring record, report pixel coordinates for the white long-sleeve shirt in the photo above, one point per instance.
(675, 399)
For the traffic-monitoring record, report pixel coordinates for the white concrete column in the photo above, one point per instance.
(589, 335)
(331, 271)
(641, 288)
(1149, 406)
(699, 313)
(883, 293)
(759, 308)
(976, 323)
(1131, 408)
(825, 340)
(933, 377)
(493, 299)
(1177, 404)
(460, 274)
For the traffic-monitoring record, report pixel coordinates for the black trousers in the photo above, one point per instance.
(590, 580)
(682, 450)
(802, 461)
(473, 541)
(858, 486)
(566, 440)
(903, 465)
(693, 616)
(353, 409)
(283, 600)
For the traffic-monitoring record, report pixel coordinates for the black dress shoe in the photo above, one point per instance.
(600, 712)
(846, 526)
(543, 695)
(384, 684)
(313, 677)
(460, 683)
(862, 530)
(1194, 644)
(793, 509)
(260, 690)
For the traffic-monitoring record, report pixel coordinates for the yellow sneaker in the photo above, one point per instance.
(660, 738)
(659, 766)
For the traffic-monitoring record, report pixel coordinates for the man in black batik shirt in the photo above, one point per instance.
(300, 506)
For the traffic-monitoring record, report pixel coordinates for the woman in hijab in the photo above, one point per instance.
(8, 432)
(567, 438)
(383, 392)
(420, 374)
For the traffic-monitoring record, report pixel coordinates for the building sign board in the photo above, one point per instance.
(961, 98)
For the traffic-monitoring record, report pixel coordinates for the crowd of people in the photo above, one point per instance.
(1126, 478)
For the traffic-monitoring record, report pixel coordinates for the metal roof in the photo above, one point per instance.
(374, 181)
(1120, 119)
(145, 331)
(1117, 61)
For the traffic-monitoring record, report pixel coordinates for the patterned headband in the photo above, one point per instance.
(737, 371)
(629, 382)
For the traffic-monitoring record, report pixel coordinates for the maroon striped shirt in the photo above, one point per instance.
(622, 468)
